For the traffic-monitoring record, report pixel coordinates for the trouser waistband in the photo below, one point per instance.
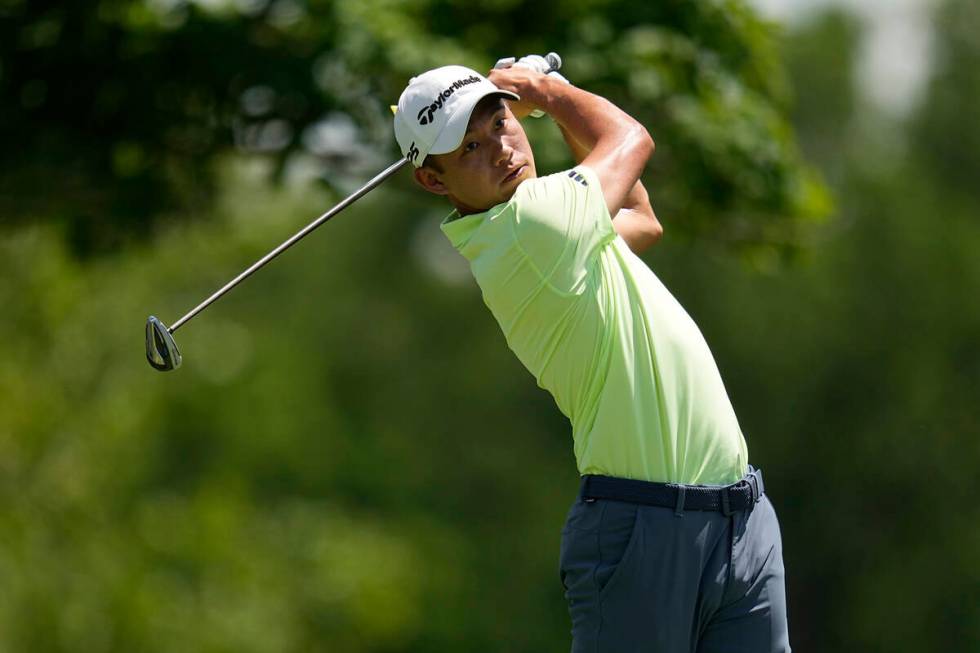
(727, 499)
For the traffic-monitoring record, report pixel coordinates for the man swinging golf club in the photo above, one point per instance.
(672, 544)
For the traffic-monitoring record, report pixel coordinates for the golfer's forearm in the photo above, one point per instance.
(579, 151)
(618, 146)
(588, 118)
(636, 222)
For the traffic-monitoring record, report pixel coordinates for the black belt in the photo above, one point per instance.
(727, 499)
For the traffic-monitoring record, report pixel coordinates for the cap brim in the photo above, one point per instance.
(454, 131)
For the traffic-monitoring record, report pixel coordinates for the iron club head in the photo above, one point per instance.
(161, 350)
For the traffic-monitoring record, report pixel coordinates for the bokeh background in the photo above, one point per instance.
(350, 460)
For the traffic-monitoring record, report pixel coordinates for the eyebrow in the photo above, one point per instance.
(497, 108)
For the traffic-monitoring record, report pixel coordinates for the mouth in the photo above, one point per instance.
(517, 172)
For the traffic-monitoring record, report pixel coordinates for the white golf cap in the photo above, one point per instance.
(434, 110)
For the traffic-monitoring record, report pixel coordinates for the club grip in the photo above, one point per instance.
(554, 60)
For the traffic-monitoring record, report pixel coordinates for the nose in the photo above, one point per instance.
(502, 154)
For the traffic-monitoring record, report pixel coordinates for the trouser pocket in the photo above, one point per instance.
(596, 544)
(618, 540)
(597, 538)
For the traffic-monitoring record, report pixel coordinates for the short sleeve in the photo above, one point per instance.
(561, 222)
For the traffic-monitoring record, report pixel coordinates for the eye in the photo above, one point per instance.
(500, 123)
(469, 147)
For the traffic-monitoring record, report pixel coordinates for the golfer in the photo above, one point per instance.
(672, 545)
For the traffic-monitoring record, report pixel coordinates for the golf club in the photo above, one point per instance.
(161, 350)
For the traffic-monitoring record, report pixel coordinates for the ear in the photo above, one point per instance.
(429, 179)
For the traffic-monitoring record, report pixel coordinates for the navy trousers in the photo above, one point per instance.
(642, 578)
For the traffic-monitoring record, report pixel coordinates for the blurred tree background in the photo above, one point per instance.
(349, 460)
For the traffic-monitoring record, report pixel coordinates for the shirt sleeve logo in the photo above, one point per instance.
(578, 177)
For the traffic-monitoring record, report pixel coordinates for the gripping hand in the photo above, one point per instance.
(547, 65)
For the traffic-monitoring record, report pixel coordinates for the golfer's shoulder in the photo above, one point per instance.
(561, 215)
(558, 193)
(560, 222)
(575, 180)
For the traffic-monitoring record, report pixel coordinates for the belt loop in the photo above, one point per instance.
(679, 506)
(726, 505)
(753, 481)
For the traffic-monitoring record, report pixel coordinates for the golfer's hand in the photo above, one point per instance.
(525, 82)
(538, 64)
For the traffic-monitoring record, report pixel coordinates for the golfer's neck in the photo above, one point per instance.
(464, 209)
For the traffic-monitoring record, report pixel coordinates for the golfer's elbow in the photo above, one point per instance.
(640, 141)
(638, 227)
(647, 140)
(655, 230)
(636, 222)
(650, 233)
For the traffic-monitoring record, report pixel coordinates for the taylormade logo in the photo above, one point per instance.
(425, 115)
(413, 152)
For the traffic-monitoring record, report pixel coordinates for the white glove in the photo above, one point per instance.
(545, 65)
(542, 65)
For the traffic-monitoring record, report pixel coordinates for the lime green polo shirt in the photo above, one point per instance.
(600, 332)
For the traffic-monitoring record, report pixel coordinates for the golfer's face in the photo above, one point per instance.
(493, 159)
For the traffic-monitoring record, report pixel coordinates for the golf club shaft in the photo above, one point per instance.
(360, 192)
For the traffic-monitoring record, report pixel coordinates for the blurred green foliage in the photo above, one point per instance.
(116, 114)
(349, 459)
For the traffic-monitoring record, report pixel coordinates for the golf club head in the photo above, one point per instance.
(161, 350)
